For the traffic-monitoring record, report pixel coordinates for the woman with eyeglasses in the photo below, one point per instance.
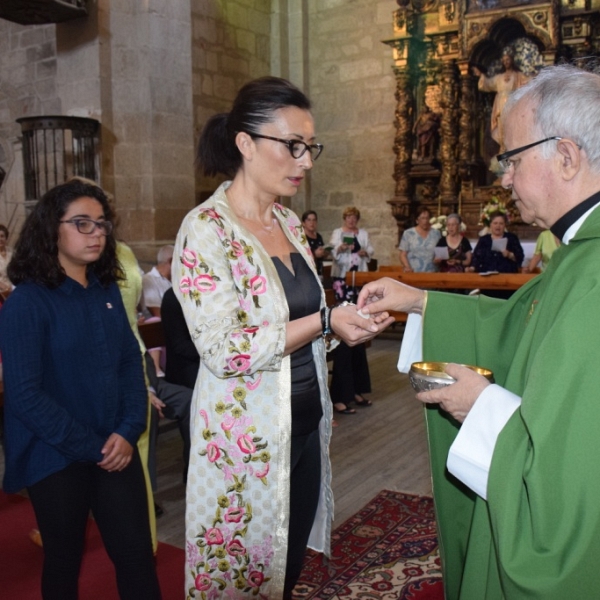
(74, 393)
(259, 481)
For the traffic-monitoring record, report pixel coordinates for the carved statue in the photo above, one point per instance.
(426, 130)
(505, 82)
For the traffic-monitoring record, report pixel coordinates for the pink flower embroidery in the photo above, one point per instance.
(184, 285)
(264, 473)
(255, 578)
(228, 423)
(258, 285)
(203, 582)
(204, 283)
(235, 548)
(252, 385)
(245, 444)
(240, 362)
(237, 248)
(213, 452)
(210, 212)
(189, 258)
(214, 537)
(250, 329)
(234, 514)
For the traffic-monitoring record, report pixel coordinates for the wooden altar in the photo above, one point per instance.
(443, 144)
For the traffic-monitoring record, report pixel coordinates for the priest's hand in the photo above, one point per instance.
(388, 294)
(457, 399)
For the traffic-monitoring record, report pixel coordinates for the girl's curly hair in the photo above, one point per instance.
(35, 255)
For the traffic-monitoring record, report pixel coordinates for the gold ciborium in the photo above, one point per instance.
(425, 376)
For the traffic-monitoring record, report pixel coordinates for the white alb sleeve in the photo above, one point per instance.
(411, 349)
(471, 453)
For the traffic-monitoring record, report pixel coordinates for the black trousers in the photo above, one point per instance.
(350, 373)
(118, 502)
(305, 485)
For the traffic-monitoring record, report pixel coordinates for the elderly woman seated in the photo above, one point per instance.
(499, 251)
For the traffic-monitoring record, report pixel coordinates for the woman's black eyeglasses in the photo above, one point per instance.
(88, 226)
(297, 148)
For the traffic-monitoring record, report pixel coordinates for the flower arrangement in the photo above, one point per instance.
(439, 223)
(494, 205)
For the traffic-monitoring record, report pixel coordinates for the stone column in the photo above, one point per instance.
(129, 65)
(449, 135)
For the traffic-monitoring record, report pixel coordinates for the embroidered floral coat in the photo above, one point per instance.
(239, 475)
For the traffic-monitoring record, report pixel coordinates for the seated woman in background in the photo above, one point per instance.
(491, 254)
(460, 251)
(418, 243)
(545, 246)
(74, 394)
(5, 256)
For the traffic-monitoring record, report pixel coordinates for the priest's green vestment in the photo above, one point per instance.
(538, 534)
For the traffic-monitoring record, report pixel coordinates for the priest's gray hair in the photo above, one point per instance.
(567, 101)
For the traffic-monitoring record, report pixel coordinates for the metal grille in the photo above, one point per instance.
(54, 150)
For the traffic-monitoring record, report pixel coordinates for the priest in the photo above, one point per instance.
(516, 464)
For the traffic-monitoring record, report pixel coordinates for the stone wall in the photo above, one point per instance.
(153, 72)
(352, 87)
(230, 46)
(27, 88)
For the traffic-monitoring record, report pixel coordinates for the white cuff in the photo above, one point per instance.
(411, 349)
(471, 453)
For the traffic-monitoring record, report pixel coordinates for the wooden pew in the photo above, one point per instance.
(152, 334)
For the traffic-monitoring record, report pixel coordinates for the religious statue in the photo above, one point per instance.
(426, 130)
(505, 82)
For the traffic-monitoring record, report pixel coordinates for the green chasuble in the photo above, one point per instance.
(538, 534)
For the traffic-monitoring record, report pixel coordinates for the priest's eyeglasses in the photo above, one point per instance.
(297, 148)
(88, 226)
(504, 158)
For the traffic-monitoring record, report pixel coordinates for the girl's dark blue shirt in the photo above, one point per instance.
(72, 376)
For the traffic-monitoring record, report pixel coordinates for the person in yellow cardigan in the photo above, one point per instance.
(131, 292)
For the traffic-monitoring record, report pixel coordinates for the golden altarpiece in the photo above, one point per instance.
(445, 140)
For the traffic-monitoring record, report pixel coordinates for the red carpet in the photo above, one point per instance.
(21, 560)
(386, 550)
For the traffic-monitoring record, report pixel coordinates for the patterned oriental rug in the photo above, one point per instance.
(388, 550)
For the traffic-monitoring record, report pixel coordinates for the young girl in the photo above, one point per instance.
(75, 398)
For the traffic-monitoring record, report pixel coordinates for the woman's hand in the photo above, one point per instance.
(319, 252)
(354, 328)
(363, 253)
(458, 398)
(117, 453)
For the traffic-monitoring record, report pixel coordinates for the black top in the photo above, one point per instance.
(459, 254)
(315, 243)
(183, 361)
(486, 259)
(303, 295)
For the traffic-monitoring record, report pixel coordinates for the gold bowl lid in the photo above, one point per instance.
(438, 369)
